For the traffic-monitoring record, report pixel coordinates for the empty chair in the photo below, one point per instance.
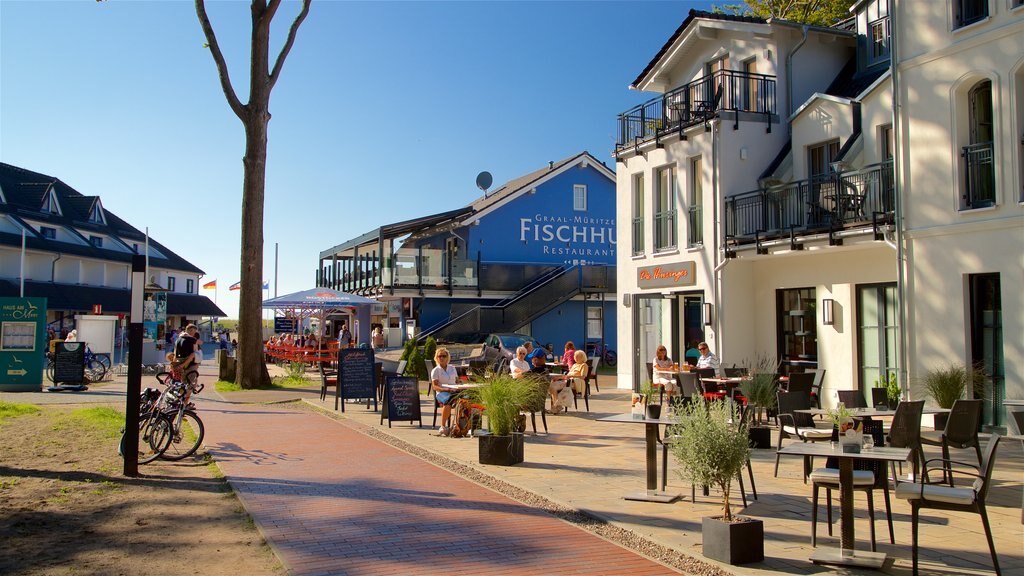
(689, 388)
(801, 383)
(734, 372)
(795, 424)
(852, 398)
(710, 388)
(592, 374)
(966, 499)
(879, 397)
(328, 379)
(905, 432)
(537, 403)
(430, 368)
(961, 431)
(819, 378)
(868, 476)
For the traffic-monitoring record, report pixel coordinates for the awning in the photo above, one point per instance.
(396, 230)
(317, 298)
(80, 298)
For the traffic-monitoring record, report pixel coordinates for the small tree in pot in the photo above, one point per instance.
(712, 447)
(503, 397)
(652, 404)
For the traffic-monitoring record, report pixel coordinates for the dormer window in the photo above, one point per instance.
(50, 204)
(878, 32)
(48, 233)
(96, 241)
(96, 216)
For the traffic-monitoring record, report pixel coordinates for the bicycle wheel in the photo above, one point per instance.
(104, 359)
(49, 372)
(95, 371)
(154, 437)
(611, 358)
(187, 438)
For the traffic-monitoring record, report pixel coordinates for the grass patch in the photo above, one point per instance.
(279, 383)
(105, 421)
(11, 410)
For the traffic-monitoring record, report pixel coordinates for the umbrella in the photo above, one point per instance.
(317, 302)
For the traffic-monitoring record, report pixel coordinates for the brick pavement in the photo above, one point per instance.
(331, 500)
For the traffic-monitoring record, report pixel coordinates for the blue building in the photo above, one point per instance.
(535, 256)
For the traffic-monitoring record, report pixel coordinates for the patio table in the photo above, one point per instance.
(846, 555)
(872, 412)
(652, 494)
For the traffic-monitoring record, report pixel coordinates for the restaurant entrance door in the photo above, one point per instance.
(674, 320)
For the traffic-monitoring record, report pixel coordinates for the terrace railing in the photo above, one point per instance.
(696, 102)
(833, 202)
(980, 184)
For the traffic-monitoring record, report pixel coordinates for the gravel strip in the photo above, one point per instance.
(621, 536)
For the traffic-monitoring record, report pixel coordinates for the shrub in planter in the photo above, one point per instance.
(712, 448)
(503, 397)
(949, 384)
(761, 391)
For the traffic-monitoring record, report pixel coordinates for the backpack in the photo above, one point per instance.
(462, 419)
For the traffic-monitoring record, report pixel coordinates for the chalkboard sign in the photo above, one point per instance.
(69, 363)
(402, 400)
(357, 377)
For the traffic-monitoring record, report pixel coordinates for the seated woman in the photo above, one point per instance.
(576, 377)
(518, 367)
(441, 377)
(663, 373)
(569, 356)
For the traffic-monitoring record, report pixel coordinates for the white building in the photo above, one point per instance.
(765, 215)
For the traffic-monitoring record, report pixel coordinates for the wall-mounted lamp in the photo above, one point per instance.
(627, 300)
(707, 313)
(827, 314)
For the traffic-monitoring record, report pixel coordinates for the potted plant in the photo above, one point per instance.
(652, 404)
(886, 391)
(503, 397)
(761, 392)
(712, 448)
(949, 384)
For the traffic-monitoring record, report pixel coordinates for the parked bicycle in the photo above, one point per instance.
(95, 366)
(607, 355)
(161, 418)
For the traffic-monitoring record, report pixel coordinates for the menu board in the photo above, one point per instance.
(402, 402)
(357, 377)
(69, 363)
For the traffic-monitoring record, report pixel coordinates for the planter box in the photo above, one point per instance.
(733, 542)
(500, 450)
(760, 436)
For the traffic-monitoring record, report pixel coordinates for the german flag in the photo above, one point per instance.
(210, 285)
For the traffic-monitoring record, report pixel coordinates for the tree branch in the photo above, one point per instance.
(218, 58)
(276, 72)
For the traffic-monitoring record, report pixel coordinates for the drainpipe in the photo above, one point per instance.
(716, 279)
(789, 72)
(53, 269)
(901, 329)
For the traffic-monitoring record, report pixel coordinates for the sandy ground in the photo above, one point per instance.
(66, 507)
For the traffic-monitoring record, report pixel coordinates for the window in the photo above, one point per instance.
(885, 138)
(579, 197)
(713, 89)
(638, 214)
(190, 286)
(664, 209)
(876, 333)
(96, 216)
(797, 322)
(595, 322)
(696, 224)
(751, 101)
(979, 171)
(819, 158)
(50, 204)
(96, 241)
(878, 35)
(966, 12)
(987, 342)
(48, 233)
(170, 283)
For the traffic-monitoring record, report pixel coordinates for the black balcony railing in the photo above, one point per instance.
(698, 101)
(980, 178)
(831, 202)
(696, 228)
(664, 230)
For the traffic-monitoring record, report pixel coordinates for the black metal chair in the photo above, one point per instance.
(586, 391)
(961, 431)
(430, 368)
(800, 383)
(879, 397)
(592, 373)
(734, 372)
(852, 398)
(537, 404)
(794, 424)
(868, 476)
(966, 499)
(905, 432)
(328, 379)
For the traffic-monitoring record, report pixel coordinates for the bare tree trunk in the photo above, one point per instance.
(255, 117)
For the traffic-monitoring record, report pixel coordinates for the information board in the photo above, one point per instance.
(69, 363)
(402, 400)
(22, 343)
(284, 325)
(357, 377)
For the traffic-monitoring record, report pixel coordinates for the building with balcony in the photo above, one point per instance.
(78, 255)
(960, 158)
(535, 255)
(811, 229)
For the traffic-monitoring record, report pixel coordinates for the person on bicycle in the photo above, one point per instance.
(185, 354)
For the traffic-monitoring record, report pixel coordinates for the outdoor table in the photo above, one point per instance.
(846, 555)
(652, 494)
(461, 387)
(729, 383)
(869, 412)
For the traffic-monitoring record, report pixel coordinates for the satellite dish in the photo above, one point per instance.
(484, 181)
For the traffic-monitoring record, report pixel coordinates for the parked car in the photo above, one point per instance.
(498, 346)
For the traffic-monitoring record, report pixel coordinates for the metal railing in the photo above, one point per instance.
(638, 235)
(696, 227)
(664, 230)
(698, 101)
(834, 201)
(979, 182)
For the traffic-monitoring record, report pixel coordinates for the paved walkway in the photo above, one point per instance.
(331, 500)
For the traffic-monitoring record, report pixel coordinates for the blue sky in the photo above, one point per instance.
(384, 111)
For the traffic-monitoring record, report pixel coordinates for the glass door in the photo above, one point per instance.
(987, 342)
